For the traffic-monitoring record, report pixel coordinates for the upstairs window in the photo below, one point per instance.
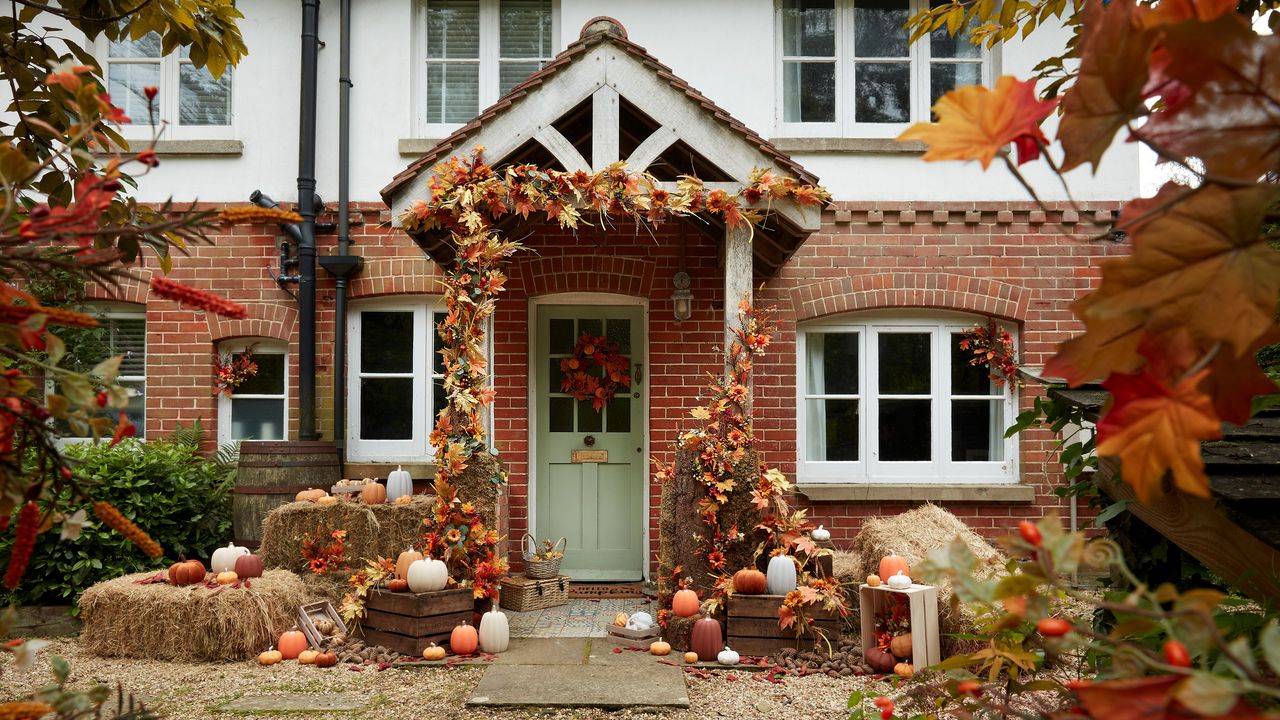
(476, 51)
(846, 68)
(192, 103)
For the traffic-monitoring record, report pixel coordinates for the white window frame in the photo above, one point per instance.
(122, 311)
(918, 55)
(489, 61)
(168, 112)
(261, 346)
(868, 468)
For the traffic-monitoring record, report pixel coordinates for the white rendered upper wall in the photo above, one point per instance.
(724, 48)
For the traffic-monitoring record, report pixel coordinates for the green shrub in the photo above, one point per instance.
(181, 499)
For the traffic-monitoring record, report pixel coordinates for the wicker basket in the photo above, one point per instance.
(523, 594)
(542, 569)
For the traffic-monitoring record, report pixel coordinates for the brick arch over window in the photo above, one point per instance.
(906, 290)
(130, 291)
(586, 273)
(266, 320)
(396, 276)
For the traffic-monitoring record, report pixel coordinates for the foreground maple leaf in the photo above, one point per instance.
(976, 123)
(1154, 429)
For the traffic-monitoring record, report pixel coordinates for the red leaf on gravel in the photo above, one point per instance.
(667, 662)
(617, 650)
(355, 668)
(731, 677)
(383, 666)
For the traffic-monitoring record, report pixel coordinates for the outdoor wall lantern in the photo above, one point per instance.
(682, 298)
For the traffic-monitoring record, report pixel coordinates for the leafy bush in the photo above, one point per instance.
(181, 499)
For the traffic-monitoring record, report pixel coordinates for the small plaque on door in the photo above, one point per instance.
(589, 456)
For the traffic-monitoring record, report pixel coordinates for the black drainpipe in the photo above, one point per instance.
(307, 209)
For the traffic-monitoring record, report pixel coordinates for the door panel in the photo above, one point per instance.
(598, 506)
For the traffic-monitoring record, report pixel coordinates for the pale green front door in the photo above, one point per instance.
(596, 502)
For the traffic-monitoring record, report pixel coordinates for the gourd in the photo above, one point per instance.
(398, 585)
(750, 581)
(228, 578)
(782, 575)
(892, 564)
(310, 495)
(873, 580)
(327, 500)
(900, 581)
(325, 626)
(327, 659)
(404, 560)
(248, 566)
(292, 642)
(660, 647)
(880, 660)
(821, 534)
(495, 632)
(685, 603)
(903, 670)
(373, 493)
(224, 559)
(706, 639)
(463, 640)
(399, 484)
(427, 575)
(433, 652)
(269, 657)
(640, 621)
(187, 572)
(308, 657)
(900, 645)
(620, 620)
(728, 656)
(691, 657)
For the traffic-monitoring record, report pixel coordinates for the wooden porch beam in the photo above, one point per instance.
(558, 145)
(604, 128)
(738, 269)
(653, 146)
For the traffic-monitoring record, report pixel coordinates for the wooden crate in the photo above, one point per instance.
(753, 626)
(409, 622)
(633, 638)
(923, 599)
(311, 612)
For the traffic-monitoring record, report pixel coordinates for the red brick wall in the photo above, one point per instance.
(1007, 260)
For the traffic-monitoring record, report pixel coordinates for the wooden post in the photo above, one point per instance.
(737, 282)
(604, 128)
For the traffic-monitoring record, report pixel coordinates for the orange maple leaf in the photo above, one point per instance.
(786, 617)
(976, 123)
(1153, 429)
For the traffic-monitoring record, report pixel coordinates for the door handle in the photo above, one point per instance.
(638, 375)
(589, 440)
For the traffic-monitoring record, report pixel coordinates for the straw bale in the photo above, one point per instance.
(679, 631)
(475, 485)
(188, 624)
(327, 586)
(372, 530)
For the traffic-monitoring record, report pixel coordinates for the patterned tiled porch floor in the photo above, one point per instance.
(581, 617)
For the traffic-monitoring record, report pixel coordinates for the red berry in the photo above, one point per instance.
(1053, 627)
(1030, 532)
(102, 399)
(1176, 654)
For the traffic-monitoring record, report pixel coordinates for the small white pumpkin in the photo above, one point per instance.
(821, 534)
(224, 559)
(640, 621)
(781, 578)
(728, 656)
(900, 581)
(399, 484)
(495, 631)
(427, 575)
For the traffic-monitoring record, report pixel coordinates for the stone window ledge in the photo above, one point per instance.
(195, 148)
(416, 146)
(852, 146)
(419, 471)
(918, 492)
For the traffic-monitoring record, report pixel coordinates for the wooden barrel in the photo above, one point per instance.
(271, 473)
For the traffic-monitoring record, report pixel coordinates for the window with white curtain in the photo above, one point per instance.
(846, 68)
(191, 102)
(884, 398)
(259, 408)
(475, 51)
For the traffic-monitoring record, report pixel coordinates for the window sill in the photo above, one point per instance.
(853, 146)
(412, 147)
(888, 492)
(363, 469)
(195, 148)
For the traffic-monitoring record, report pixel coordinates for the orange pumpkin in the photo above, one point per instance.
(398, 585)
(308, 657)
(187, 572)
(685, 603)
(661, 647)
(904, 670)
(292, 643)
(269, 657)
(404, 560)
(750, 581)
(892, 564)
(691, 657)
(228, 578)
(873, 580)
(373, 493)
(464, 640)
(327, 500)
(433, 652)
(326, 659)
(310, 495)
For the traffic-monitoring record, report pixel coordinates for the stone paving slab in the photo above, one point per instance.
(296, 703)
(608, 687)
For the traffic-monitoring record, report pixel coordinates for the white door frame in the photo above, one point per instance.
(587, 298)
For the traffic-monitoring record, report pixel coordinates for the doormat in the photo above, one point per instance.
(600, 591)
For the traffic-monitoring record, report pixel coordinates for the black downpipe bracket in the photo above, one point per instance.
(307, 209)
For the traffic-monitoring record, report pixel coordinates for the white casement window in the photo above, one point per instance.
(893, 398)
(395, 379)
(259, 408)
(473, 52)
(191, 102)
(122, 330)
(847, 70)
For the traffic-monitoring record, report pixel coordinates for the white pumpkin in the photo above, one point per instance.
(640, 621)
(900, 581)
(495, 632)
(821, 534)
(427, 576)
(728, 656)
(781, 577)
(224, 559)
(399, 484)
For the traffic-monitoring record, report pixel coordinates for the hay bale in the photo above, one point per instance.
(679, 631)
(188, 624)
(372, 530)
(327, 586)
(913, 535)
(475, 485)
